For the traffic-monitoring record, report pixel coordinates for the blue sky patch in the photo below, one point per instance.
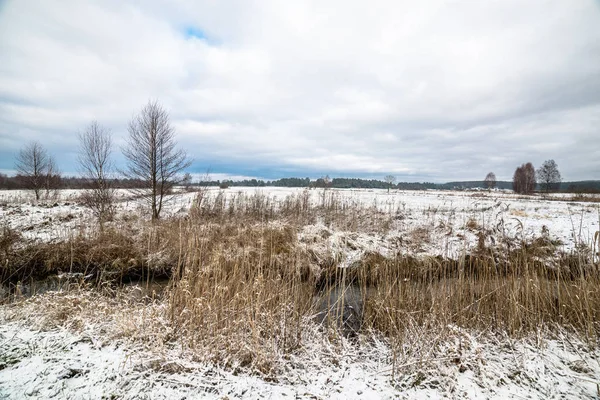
(195, 32)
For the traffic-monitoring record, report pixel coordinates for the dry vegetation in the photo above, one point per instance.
(244, 290)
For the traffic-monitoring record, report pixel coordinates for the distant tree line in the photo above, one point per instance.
(324, 182)
(65, 182)
(74, 182)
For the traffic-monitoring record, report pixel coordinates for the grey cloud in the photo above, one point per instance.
(422, 90)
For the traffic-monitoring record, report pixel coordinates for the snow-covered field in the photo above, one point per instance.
(450, 219)
(40, 360)
(86, 358)
(62, 216)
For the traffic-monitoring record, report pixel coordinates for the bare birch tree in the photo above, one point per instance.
(95, 148)
(524, 180)
(152, 156)
(530, 178)
(549, 176)
(390, 180)
(32, 165)
(490, 180)
(187, 181)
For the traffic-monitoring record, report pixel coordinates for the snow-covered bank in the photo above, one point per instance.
(89, 363)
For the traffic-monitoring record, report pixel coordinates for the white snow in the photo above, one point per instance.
(66, 364)
(442, 214)
(87, 360)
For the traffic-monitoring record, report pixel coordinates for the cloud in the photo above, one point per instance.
(436, 91)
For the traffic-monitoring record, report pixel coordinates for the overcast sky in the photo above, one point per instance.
(426, 91)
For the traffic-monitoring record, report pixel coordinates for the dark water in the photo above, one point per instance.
(341, 307)
(71, 282)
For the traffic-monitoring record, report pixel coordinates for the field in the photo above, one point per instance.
(280, 292)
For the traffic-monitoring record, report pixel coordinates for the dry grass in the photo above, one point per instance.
(472, 224)
(518, 213)
(333, 210)
(243, 289)
(247, 287)
(108, 255)
(577, 197)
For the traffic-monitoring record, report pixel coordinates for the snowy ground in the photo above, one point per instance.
(84, 360)
(47, 360)
(62, 216)
(444, 222)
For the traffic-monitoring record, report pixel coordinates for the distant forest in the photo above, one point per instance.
(15, 182)
(357, 183)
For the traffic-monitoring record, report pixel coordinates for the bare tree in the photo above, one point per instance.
(52, 179)
(32, 165)
(524, 180)
(518, 180)
(187, 181)
(152, 156)
(490, 180)
(530, 178)
(549, 176)
(323, 182)
(95, 148)
(390, 180)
